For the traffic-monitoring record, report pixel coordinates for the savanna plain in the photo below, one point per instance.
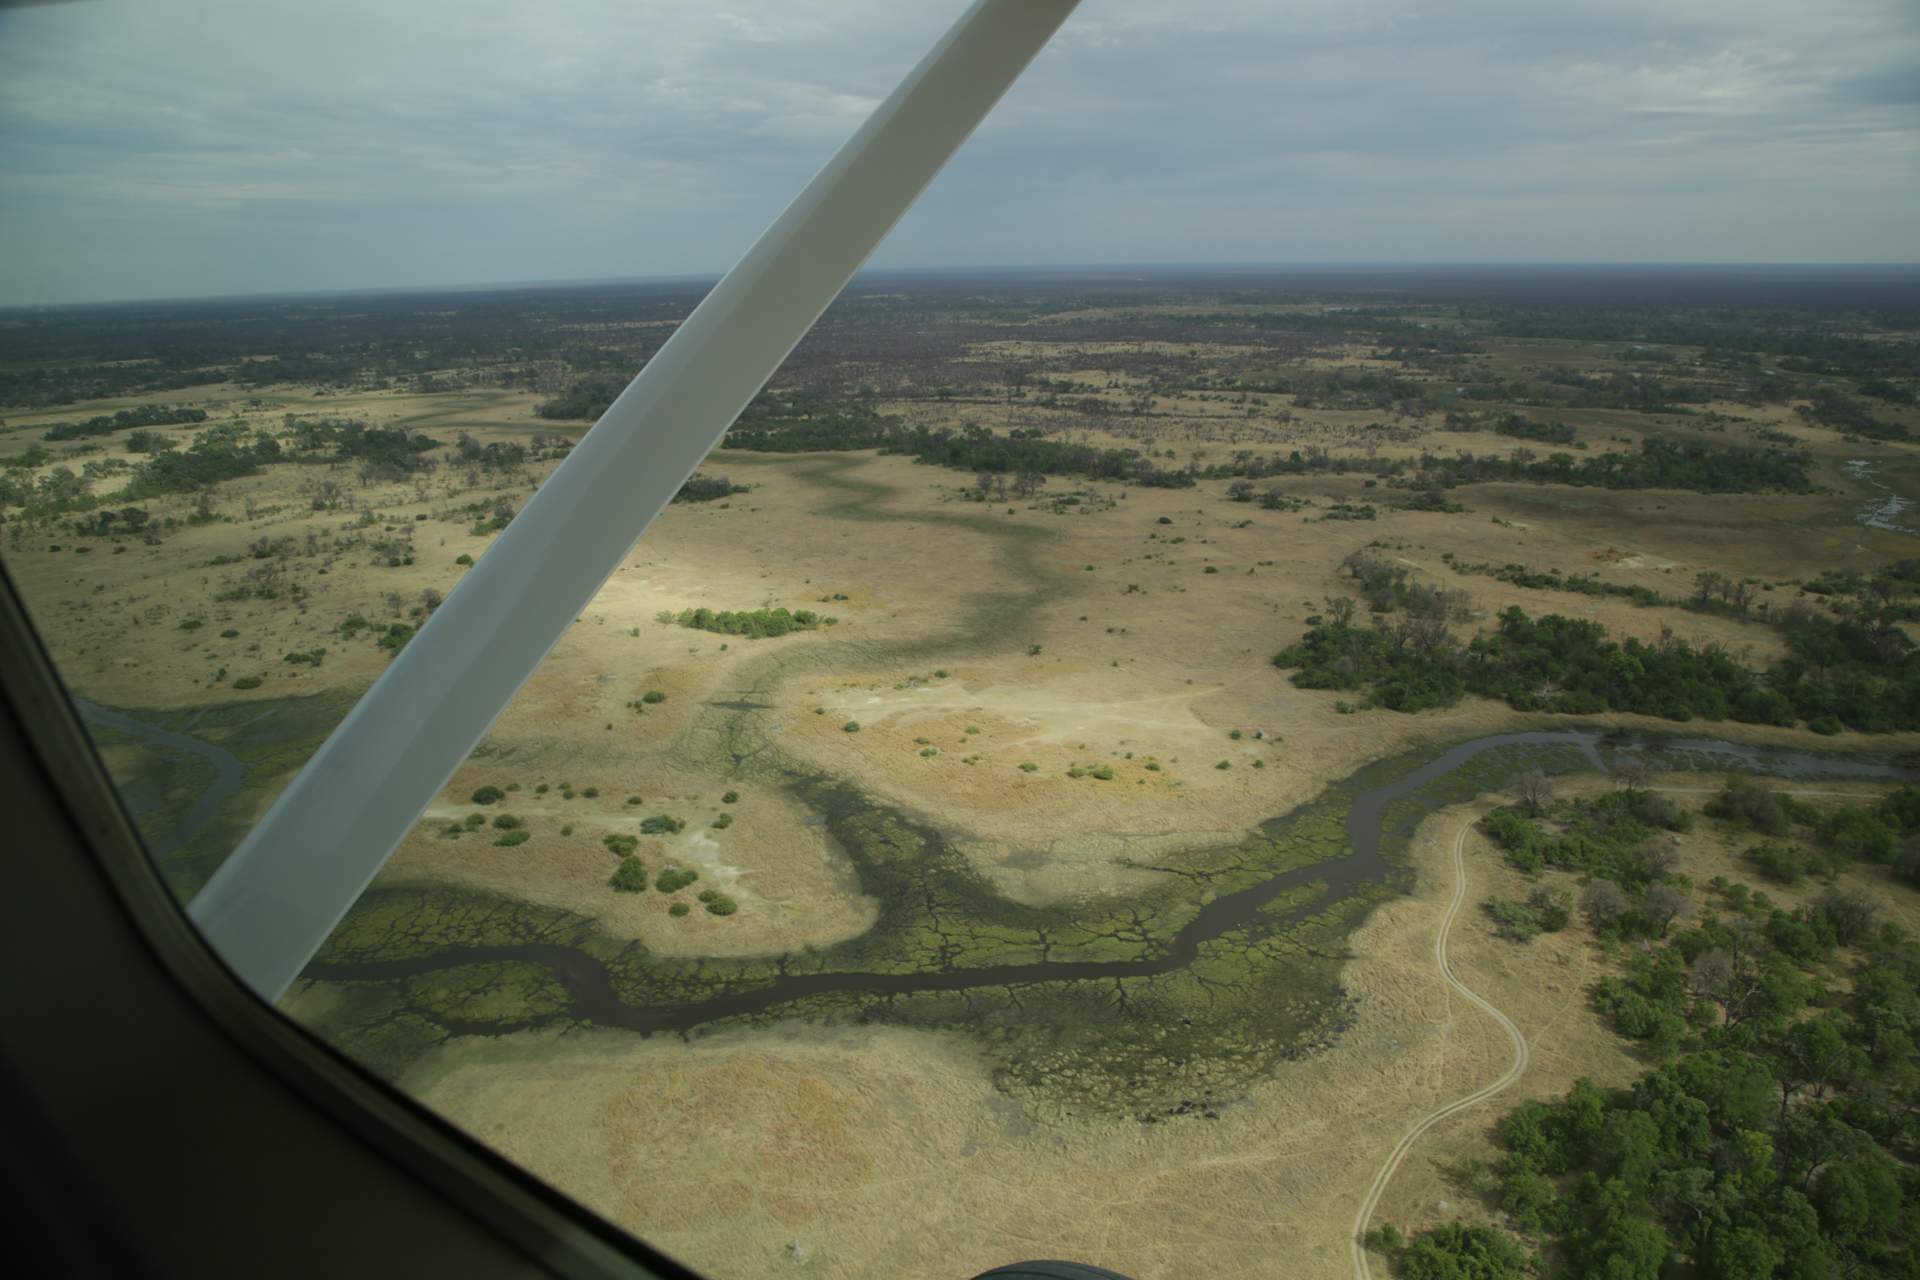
(942, 841)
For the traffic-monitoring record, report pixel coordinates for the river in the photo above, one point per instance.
(590, 989)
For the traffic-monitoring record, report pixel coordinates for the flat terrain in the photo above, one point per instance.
(1069, 690)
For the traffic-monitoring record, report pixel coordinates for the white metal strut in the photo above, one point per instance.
(271, 905)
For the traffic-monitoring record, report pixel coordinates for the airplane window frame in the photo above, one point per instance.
(526, 1213)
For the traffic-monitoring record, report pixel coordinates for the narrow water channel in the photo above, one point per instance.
(590, 988)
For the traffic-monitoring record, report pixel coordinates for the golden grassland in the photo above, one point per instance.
(1062, 638)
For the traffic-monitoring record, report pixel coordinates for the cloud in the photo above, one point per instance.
(165, 147)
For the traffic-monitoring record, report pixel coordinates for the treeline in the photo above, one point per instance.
(1838, 672)
(1586, 584)
(1829, 408)
(146, 415)
(700, 488)
(757, 624)
(587, 398)
(1660, 464)
(393, 447)
(1776, 1139)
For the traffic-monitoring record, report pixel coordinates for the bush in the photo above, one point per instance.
(679, 909)
(1777, 862)
(653, 697)
(622, 845)
(629, 876)
(1028, 766)
(722, 906)
(230, 634)
(540, 790)
(519, 835)
(851, 726)
(1463, 1251)
(489, 795)
(1385, 1238)
(247, 682)
(674, 879)
(732, 797)
(475, 821)
(463, 558)
(660, 824)
(193, 624)
(722, 822)
(591, 792)
(507, 822)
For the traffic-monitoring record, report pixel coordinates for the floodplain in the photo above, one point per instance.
(988, 862)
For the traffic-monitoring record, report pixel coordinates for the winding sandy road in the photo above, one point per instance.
(1513, 1073)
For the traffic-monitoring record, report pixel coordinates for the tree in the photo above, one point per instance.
(1634, 775)
(1533, 790)
(1340, 609)
(1664, 903)
(1851, 914)
(1604, 903)
(1463, 1251)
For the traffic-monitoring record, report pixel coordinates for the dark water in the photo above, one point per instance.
(228, 771)
(590, 985)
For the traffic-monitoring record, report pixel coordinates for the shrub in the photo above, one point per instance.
(1224, 764)
(507, 822)
(851, 726)
(674, 879)
(247, 682)
(489, 795)
(660, 824)
(1385, 1238)
(708, 895)
(540, 790)
(513, 786)
(629, 876)
(476, 820)
(1777, 862)
(929, 751)
(1463, 1251)
(722, 822)
(591, 792)
(463, 558)
(1076, 772)
(1153, 766)
(1211, 569)
(635, 800)
(1028, 766)
(732, 797)
(1165, 520)
(652, 697)
(193, 624)
(229, 634)
(722, 906)
(622, 845)
(519, 835)
(1235, 734)
(1104, 773)
(567, 830)
(973, 728)
(679, 909)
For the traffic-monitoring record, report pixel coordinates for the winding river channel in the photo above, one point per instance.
(1370, 818)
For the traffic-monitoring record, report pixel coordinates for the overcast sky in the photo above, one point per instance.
(163, 148)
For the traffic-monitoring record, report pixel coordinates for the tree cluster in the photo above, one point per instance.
(756, 624)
